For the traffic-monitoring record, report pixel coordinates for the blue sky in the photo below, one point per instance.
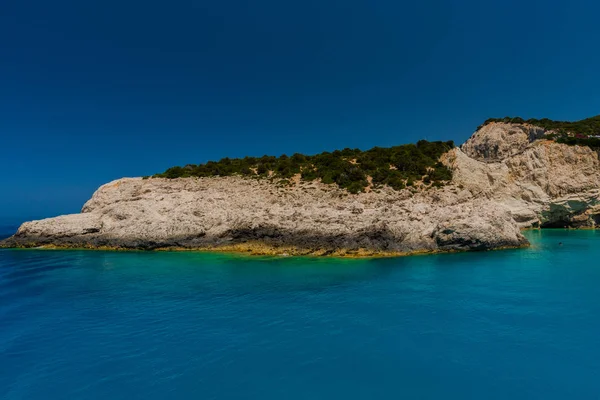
(91, 91)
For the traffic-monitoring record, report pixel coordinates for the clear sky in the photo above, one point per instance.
(91, 91)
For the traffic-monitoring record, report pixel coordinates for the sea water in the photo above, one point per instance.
(512, 324)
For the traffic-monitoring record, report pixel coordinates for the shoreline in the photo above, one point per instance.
(261, 250)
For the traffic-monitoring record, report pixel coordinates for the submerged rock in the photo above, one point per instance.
(505, 177)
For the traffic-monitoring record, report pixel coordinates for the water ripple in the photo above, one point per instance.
(97, 325)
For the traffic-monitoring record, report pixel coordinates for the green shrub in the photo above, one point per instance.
(397, 166)
(587, 127)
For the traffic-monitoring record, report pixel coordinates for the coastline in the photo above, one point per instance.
(258, 249)
(496, 193)
(262, 250)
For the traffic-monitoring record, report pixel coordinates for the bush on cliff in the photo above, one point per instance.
(350, 169)
(584, 133)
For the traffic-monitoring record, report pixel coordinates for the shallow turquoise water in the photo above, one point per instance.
(517, 324)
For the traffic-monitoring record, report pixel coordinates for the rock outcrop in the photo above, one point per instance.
(540, 182)
(505, 177)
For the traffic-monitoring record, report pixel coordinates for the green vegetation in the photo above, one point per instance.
(351, 169)
(593, 142)
(584, 133)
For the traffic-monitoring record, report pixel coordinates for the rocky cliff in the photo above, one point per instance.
(505, 177)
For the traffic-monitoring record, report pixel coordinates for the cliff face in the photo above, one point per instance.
(238, 213)
(506, 177)
(540, 182)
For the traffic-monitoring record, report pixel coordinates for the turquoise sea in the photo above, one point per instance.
(514, 324)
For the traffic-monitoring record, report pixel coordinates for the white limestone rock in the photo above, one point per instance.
(505, 177)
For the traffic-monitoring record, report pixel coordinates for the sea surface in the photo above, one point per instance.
(513, 324)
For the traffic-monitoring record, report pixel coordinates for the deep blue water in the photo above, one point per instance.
(515, 324)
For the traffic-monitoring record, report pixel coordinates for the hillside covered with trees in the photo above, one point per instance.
(351, 169)
(585, 132)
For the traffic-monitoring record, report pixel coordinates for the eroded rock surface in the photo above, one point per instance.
(506, 177)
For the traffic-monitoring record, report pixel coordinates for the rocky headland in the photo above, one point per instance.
(505, 178)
